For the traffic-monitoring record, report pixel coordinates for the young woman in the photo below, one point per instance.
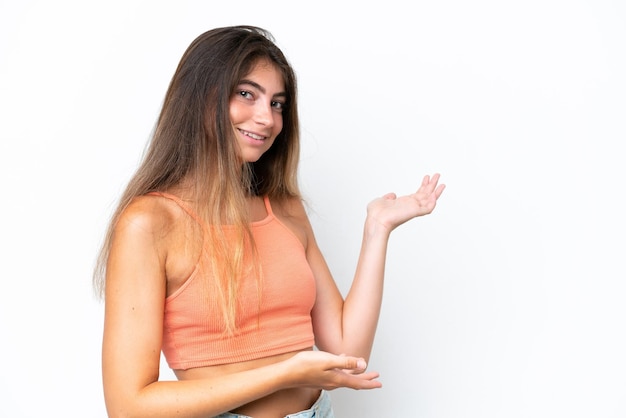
(211, 259)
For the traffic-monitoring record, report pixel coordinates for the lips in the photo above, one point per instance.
(253, 135)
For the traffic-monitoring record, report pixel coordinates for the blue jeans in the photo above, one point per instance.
(322, 408)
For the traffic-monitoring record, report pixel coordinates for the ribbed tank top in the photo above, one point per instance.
(272, 319)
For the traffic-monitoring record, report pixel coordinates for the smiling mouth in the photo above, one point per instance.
(252, 135)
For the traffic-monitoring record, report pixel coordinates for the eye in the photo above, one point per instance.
(279, 106)
(245, 94)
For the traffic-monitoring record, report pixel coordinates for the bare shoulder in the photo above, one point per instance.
(150, 215)
(152, 220)
(158, 234)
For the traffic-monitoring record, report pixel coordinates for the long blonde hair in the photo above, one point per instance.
(194, 139)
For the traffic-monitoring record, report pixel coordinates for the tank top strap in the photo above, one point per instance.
(184, 206)
(268, 206)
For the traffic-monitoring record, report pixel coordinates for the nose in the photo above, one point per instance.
(264, 114)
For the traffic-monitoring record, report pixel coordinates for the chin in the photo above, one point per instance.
(251, 159)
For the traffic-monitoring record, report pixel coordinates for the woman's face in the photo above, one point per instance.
(256, 110)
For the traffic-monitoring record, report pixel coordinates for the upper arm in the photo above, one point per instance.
(327, 313)
(134, 302)
(328, 308)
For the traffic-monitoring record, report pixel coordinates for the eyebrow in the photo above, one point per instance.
(261, 88)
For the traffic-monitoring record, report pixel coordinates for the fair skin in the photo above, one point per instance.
(153, 253)
(256, 111)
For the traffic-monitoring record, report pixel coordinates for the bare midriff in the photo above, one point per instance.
(278, 404)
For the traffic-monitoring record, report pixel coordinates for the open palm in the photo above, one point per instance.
(391, 211)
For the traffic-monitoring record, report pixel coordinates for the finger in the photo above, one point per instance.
(355, 364)
(363, 381)
(431, 185)
(439, 190)
(434, 180)
(428, 183)
(367, 375)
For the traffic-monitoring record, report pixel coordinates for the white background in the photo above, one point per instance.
(507, 301)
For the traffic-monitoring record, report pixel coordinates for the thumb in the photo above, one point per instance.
(354, 363)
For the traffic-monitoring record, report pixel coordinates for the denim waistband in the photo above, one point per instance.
(322, 408)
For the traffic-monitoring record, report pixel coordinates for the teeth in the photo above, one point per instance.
(253, 136)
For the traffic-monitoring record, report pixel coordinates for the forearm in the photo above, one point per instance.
(209, 397)
(362, 305)
(200, 397)
(361, 308)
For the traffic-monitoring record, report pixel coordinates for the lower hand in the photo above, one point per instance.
(328, 371)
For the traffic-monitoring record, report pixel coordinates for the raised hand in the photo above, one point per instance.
(319, 369)
(390, 211)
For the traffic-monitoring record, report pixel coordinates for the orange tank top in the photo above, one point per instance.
(273, 313)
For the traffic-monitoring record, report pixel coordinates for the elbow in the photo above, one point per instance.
(117, 410)
(122, 412)
(127, 400)
(124, 408)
